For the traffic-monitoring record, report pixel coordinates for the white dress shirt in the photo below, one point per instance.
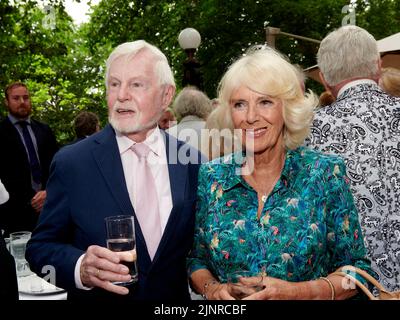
(3, 194)
(157, 160)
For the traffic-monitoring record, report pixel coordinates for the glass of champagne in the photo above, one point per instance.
(18, 241)
(121, 237)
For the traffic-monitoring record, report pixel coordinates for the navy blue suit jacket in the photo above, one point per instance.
(86, 185)
(17, 213)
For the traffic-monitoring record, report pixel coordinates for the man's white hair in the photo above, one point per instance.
(346, 53)
(129, 49)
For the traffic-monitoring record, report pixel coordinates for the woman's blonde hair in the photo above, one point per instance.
(267, 72)
(390, 81)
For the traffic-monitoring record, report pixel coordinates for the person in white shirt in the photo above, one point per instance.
(4, 196)
(9, 288)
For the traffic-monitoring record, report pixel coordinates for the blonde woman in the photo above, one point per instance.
(289, 219)
(390, 81)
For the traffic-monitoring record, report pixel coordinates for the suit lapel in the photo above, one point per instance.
(106, 154)
(108, 159)
(14, 135)
(176, 170)
(177, 177)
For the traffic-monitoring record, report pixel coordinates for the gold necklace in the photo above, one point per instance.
(264, 195)
(264, 198)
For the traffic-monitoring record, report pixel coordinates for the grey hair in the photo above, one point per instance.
(191, 101)
(130, 49)
(346, 53)
(268, 72)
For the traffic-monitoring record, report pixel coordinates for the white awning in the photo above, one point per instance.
(391, 43)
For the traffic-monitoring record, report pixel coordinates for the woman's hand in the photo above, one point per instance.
(218, 291)
(275, 289)
(318, 289)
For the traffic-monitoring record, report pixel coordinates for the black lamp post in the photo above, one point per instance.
(189, 39)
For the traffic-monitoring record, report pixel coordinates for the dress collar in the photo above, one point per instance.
(234, 162)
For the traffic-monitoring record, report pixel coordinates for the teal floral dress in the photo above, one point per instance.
(307, 229)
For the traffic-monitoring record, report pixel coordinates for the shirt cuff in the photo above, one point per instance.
(77, 275)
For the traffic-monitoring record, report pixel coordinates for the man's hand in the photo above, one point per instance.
(100, 267)
(38, 199)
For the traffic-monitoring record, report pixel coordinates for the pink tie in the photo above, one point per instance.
(146, 209)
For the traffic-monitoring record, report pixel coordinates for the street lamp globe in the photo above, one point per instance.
(189, 38)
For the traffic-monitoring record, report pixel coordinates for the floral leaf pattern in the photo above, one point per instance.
(307, 229)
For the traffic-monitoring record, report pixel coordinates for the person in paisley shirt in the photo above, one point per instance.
(276, 209)
(363, 127)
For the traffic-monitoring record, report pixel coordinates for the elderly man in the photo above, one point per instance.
(27, 148)
(362, 125)
(100, 177)
(192, 107)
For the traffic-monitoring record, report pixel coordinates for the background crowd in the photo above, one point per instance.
(314, 186)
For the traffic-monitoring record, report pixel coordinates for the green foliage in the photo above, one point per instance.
(380, 17)
(64, 66)
(51, 61)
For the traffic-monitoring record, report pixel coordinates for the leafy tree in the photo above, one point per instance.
(63, 65)
(48, 57)
(381, 18)
(227, 27)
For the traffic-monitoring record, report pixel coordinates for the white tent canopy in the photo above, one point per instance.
(389, 48)
(391, 43)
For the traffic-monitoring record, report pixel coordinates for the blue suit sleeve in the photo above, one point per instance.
(50, 252)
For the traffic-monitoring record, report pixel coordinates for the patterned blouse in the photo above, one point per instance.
(308, 227)
(363, 127)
